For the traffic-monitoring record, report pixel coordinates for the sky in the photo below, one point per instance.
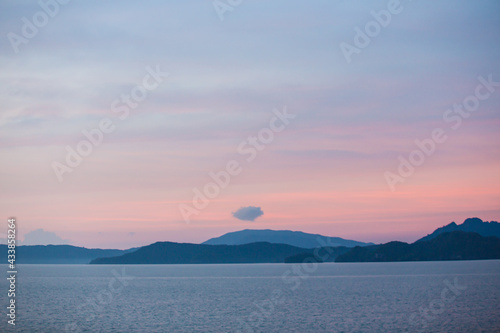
(373, 121)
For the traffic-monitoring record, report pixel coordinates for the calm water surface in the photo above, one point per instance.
(457, 296)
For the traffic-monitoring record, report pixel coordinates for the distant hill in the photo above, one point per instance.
(474, 224)
(294, 238)
(451, 242)
(59, 254)
(456, 245)
(325, 254)
(184, 253)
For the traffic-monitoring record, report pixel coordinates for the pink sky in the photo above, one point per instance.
(322, 172)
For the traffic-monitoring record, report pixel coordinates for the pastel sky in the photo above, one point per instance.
(323, 173)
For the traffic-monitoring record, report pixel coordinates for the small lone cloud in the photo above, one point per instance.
(42, 237)
(131, 234)
(249, 213)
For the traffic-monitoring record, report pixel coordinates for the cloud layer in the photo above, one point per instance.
(42, 237)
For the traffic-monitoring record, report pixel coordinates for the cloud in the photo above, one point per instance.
(42, 237)
(249, 213)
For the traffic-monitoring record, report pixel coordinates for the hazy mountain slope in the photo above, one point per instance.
(294, 238)
(60, 254)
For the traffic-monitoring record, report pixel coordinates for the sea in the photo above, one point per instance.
(451, 296)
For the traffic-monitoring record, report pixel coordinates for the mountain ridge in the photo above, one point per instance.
(187, 253)
(253, 250)
(473, 224)
(455, 245)
(60, 254)
(293, 238)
